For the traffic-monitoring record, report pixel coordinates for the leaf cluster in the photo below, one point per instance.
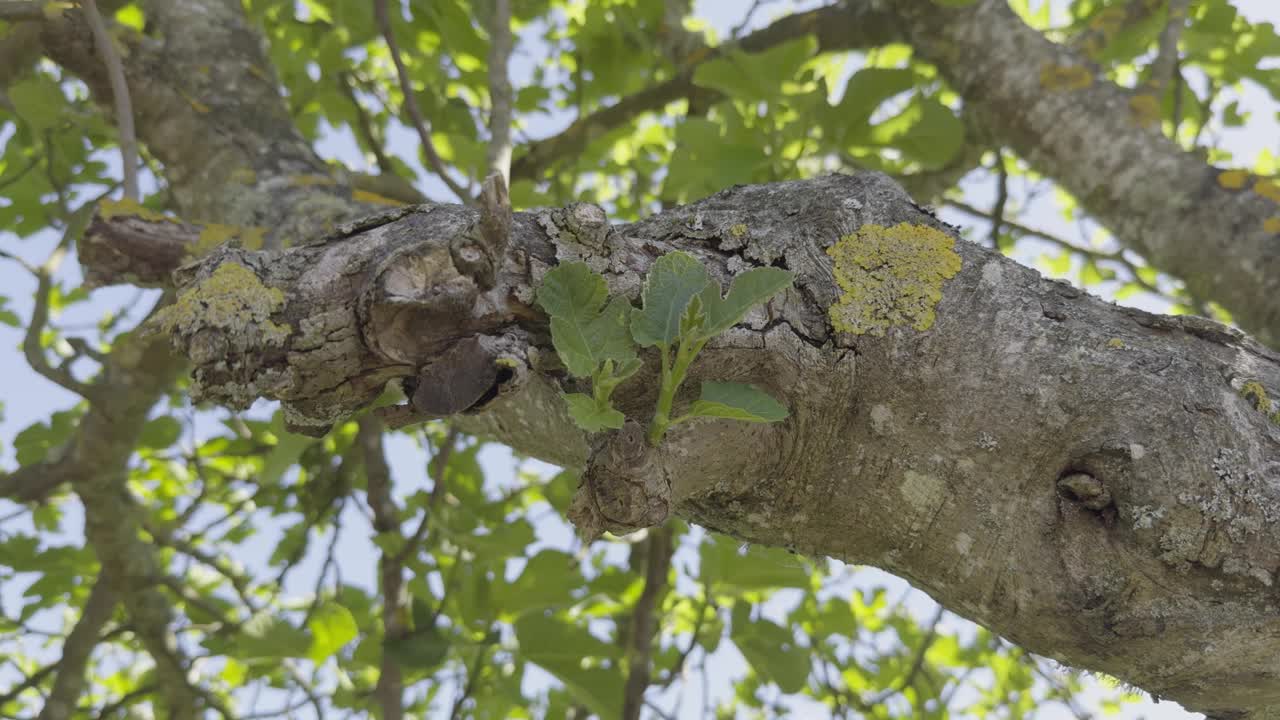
(682, 309)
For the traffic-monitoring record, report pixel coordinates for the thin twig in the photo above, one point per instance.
(31, 342)
(1165, 64)
(473, 674)
(364, 126)
(437, 496)
(122, 702)
(694, 639)
(904, 681)
(1096, 256)
(657, 549)
(120, 97)
(1002, 198)
(498, 154)
(411, 103)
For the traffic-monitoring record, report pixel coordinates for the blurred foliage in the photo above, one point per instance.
(267, 539)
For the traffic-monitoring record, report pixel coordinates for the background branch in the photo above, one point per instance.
(411, 104)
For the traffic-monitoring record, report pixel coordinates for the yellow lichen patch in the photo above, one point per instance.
(310, 180)
(1115, 344)
(125, 207)
(54, 10)
(1145, 109)
(738, 230)
(372, 197)
(890, 277)
(1065, 77)
(232, 298)
(1233, 179)
(251, 238)
(1271, 225)
(1108, 20)
(198, 106)
(1269, 189)
(216, 234)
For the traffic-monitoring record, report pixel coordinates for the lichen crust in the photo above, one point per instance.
(890, 277)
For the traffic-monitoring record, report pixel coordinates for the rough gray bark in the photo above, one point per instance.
(1096, 483)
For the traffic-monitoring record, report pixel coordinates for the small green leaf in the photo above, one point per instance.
(560, 647)
(284, 454)
(131, 16)
(737, 401)
(626, 369)
(332, 626)
(159, 433)
(548, 579)
(773, 653)
(694, 317)
(266, 636)
(572, 290)
(673, 281)
(421, 649)
(8, 317)
(591, 417)
(747, 290)
(583, 334)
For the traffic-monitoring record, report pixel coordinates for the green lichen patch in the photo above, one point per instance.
(1233, 179)
(232, 299)
(108, 209)
(738, 230)
(890, 277)
(1256, 394)
(214, 235)
(1269, 189)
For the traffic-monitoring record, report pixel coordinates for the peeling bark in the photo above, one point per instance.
(1094, 482)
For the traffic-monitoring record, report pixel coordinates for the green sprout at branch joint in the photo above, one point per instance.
(682, 309)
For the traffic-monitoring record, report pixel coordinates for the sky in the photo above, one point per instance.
(28, 398)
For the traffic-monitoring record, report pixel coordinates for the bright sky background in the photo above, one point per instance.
(28, 398)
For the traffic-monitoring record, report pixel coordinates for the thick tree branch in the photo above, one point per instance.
(1091, 481)
(69, 682)
(1162, 202)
